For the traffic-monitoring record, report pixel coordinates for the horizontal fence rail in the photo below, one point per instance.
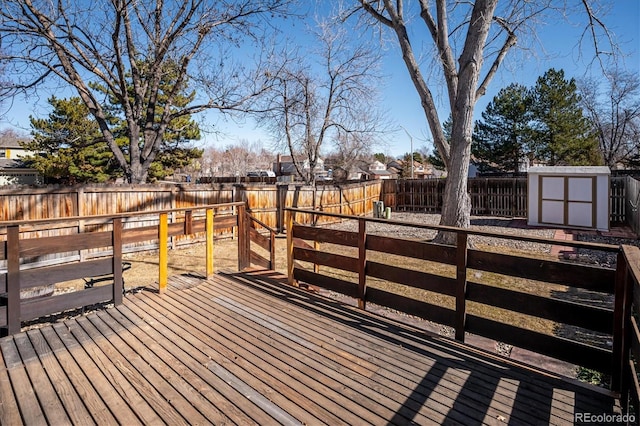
(23, 273)
(349, 261)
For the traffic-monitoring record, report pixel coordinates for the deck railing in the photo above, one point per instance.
(263, 236)
(629, 277)
(22, 247)
(363, 257)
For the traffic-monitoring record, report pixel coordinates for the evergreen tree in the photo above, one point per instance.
(69, 146)
(434, 158)
(561, 134)
(381, 157)
(502, 138)
(174, 152)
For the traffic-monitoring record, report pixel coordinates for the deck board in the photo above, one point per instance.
(246, 349)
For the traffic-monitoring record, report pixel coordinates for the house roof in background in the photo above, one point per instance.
(11, 143)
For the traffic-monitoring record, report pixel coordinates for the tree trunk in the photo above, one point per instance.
(456, 203)
(138, 173)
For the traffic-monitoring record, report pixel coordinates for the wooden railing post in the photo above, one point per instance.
(316, 267)
(13, 280)
(209, 224)
(272, 250)
(461, 285)
(619, 326)
(243, 239)
(290, 264)
(116, 242)
(163, 252)
(362, 263)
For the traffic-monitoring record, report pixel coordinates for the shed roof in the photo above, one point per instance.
(570, 170)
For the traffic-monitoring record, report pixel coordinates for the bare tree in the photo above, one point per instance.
(236, 159)
(120, 49)
(470, 41)
(615, 114)
(313, 103)
(350, 151)
(13, 137)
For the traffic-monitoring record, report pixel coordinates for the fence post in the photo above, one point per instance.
(163, 252)
(13, 280)
(174, 215)
(188, 222)
(209, 224)
(80, 211)
(362, 263)
(461, 285)
(116, 242)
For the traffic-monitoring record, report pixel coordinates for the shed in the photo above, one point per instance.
(569, 196)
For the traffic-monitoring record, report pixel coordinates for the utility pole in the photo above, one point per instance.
(411, 141)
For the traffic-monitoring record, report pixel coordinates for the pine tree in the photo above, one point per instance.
(434, 158)
(175, 151)
(502, 138)
(561, 134)
(69, 146)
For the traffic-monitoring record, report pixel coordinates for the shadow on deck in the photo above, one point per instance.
(243, 348)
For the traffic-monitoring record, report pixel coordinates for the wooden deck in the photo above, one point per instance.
(244, 349)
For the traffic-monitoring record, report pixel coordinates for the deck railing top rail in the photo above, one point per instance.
(467, 231)
(122, 215)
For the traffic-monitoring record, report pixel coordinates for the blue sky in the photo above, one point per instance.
(557, 48)
(398, 95)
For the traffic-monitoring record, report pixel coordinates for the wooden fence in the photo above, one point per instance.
(350, 260)
(265, 202)
(506, 197)
(632, 203)
(22, 274)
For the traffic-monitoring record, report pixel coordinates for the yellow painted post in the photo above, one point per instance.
(163, 255)
(289, 227)
(209, 251)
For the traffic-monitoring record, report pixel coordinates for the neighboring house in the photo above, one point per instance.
(394, 172)
(377, 170)
(395, 164)
(284, 166)
(12, 169)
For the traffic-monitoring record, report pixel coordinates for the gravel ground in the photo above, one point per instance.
(478, 223)
(607, 260)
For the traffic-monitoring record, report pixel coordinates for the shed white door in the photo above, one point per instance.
(567, 200)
